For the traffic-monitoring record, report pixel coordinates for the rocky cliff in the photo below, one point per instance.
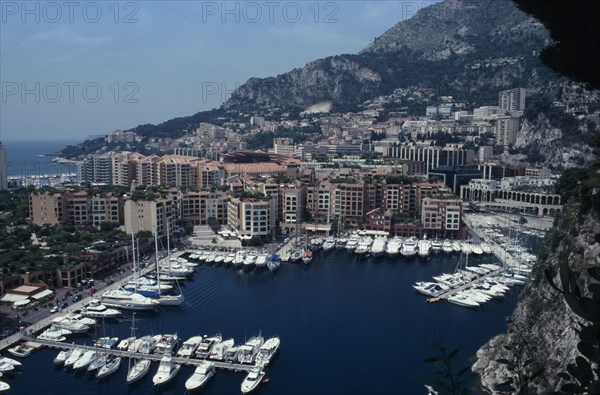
(470, 49)
(542, 322)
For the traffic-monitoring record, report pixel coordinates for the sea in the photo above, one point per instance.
(34, 158)
(348, 325)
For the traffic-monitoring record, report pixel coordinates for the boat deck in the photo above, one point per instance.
(466, 285)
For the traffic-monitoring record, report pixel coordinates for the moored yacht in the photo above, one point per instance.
(463, 299)
(430, 288)
(409, 248)
(205, 346)
(436, 246)
(140, 368)
(167, 369)
(249, 350)
(219, 351)
(87, 358)
(447, 247)
(352, 242)
(252, 380)
(189, 347)
(261, 260)
(62, 356)
(166, 344)
(239, 259)
(393, 247)
(127, 300)
(112, 365)
(340, 243)
(378, 246)
(267, 351)
(424, 247)
(201, 375)
(328, 244)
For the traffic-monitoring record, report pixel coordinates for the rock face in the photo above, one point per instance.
(542, 320)
(462, 47)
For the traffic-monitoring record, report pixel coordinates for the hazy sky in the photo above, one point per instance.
(71, 69)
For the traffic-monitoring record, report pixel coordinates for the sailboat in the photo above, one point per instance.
(308, 254)
(165, 300)
(274, 260)
(138, 367)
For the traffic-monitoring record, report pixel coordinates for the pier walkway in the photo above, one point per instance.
(237, 367)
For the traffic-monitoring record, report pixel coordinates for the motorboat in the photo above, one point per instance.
(82, 319)
(340, 243)
(75, 355)
(409, 248)
(297, 255)
(316, 243)
(430, 288)
(267, 351)
(239, 259)
(167, 369)
(125, 343)
(424, 247)
(21, 350)
(112, 365)
(364, 245)
(466, 248)
(4, 386)
(201, 375)
(62, 356)
(6, 367)
(447, 247)
(205, 346)
(252, 380)
(219, 351)
(261, 260)
(167, 344)
(393, 247)
(307, 257)
(328, 244)
(286, 256)
(250, 259)
(273, 262)
(352, 242)
(11, 361)
(249, 350)
(98, 362)
(140, 368)
(189, 347)
(87, 358)
(477, 250)
(96, 309)
(229, 258)
(456, 246)
(55, 334)
(232, 354)
(68, 324)
(436, 246)
(219, 259)
(378, 246)
(106, 342)
(486, 248)
(127, 300)
(148, 344)
(463, 299)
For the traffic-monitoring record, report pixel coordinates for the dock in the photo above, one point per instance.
(236, 367)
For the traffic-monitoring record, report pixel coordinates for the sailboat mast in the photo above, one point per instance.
(156, 260)
(135, 271)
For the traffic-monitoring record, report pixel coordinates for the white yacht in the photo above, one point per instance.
(436, 246)
(447, 247)
(100, 361)
(456, 246)
(127, 300)
(466, 248)
(328, 244)
(205, 346)
(249, 350)
(364, 245)
(393, 247)
(219, 351)
(112, 365)
(297, 254)
(250, 259)
(462, 299)
(166, 344)
(229, 258)
(267, 351)
(409, 248)
(430, 288)
(140, 368)
(96, 309)
(87, 358)
(486, 248)
(239, 258)
(232, 354)
(21, 350)
(55, 334)
(71, 325)
(189, 347)
(340, 243)
(75, 355)
(4, 386)
(252, 380)
(378, 246)
(286, 256)
(424, 247)
(167, 369)
(201, 375)
(261, 260)
(62, 356)
(220, 258)
(11, 361)
(352, 242)
(148, 343)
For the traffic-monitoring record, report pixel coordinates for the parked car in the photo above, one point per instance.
(55, 309)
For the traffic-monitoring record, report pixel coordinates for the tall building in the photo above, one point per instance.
(97, 168)
(3, 175)
(506, 130)
(148, 215)
(250, 217)
(45, 208)
(512, 100)
(485, 153)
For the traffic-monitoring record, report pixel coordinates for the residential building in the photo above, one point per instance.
(149, 215)
(507, 129)
(45, 208)
(512, 100)
(250, 217)
(441, 217)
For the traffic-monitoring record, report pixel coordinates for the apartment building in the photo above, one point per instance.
(45, 208)
(441, 217)
(77, 208)
(149, 215)
(348, 203)
(250, 217)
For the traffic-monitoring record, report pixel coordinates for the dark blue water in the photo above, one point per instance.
(33, 158)
(348, 326)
